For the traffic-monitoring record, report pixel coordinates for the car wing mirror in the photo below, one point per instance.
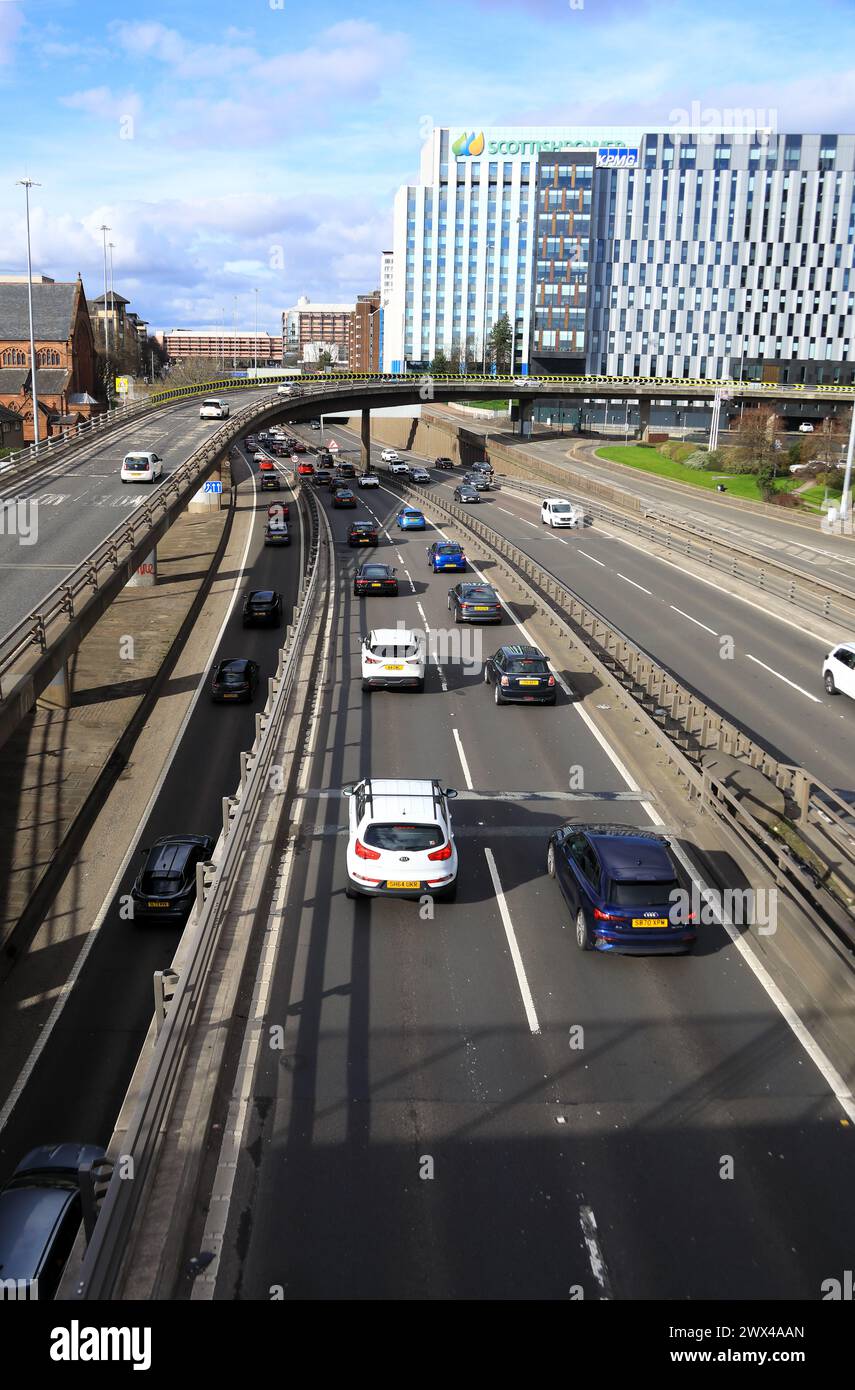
(449, 792)
(348, 791)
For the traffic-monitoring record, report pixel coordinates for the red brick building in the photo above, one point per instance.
(66, 366)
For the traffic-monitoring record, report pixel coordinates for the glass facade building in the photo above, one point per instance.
(692, 253)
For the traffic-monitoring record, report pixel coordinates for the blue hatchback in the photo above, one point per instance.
(623, 888)
(445, 555)
(409, 519)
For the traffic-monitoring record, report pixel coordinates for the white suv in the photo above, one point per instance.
(390, 456)
(557, 511)
(214, 410)
(400, 841)
(393, 657)
(838, 670)
(399, 467)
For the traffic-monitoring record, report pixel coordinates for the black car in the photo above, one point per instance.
(343, 497)
(346, 470)
(166, 884)
(271, 482)
(40, 1215)
(262, 606)
(464, 492)
(325, 460)
(234, 679)
(479, 481)
(314, 424)
(375, 579)
(520, 674)
(363, 533)
(474, 603)
(443, 462)
(277, 533)
(322, 477)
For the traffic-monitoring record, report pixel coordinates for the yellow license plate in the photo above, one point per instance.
(659, 922)
(529, 682)
(376, 584)
(482, 608)
(402, 883)
(151, 904)
(387, 667)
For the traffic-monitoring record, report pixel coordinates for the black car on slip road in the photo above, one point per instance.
(343, 497)
(166, 884)
(40, 1214)
(520, 675)
(375, 580)
(262, 607)
(474, 603)
(464, 492)
(234, 679)
(623, 888)
(363, 533)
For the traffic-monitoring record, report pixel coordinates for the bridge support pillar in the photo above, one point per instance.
(146, 575)
(365, 441)
(526, 408)
(58, 693)
(208, 498)
(643, 418)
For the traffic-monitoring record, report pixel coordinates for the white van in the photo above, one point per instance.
(393, 657)
(557, 511)
(143, 467)
(214, 409)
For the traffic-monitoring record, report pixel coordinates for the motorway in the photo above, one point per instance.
(430, 1129)
(68, 507)
(76, 1080)
(766, 678)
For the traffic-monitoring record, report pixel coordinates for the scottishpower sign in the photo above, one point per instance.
(470, 143)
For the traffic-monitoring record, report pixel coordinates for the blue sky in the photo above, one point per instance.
(267, 152)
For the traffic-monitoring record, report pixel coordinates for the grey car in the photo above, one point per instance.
(40, 1214)
(464, 492)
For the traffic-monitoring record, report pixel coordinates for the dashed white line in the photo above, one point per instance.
(633, 583)
(410, 577)
(463, 763)
(588, 1223)
(519, 968)
(785, 679)
(693, 620)
(592, 558)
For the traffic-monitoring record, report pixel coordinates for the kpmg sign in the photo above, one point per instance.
(611, 157)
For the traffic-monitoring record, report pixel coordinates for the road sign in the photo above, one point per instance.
(122, 385)
(213, 486)
(332, 447)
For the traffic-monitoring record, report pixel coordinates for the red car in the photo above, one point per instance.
(305, 468)
(280, 511)
(299, 447)
(265, 465)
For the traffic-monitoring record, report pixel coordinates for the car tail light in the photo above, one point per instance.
(364, 852)
(504, 681)
(551, 680)
(607, 916)
(373, 660)
(444, 853)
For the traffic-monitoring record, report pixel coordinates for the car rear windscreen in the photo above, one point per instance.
(232, 677)
(137, 465)
(527, 666)
(404, 837)
(409, 653)
(628, 893)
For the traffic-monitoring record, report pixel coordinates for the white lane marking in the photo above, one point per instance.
(92, 934)
(410, 577)
(841, 1091)
(464, 764)
(519, 968)
(505, 510)
(626, 580)
(526, 522)
(560, 539)
(588, 1222)
(692, 620)
(592, 558)
(785, 679)
(422, 614)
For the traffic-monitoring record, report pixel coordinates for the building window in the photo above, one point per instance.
(14, 357)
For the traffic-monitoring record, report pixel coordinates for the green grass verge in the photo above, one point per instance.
(488, 405)
(649, 461)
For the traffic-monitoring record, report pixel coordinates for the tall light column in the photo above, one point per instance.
(256, 334)
(234, 326)
(104, 230)
(27, 184)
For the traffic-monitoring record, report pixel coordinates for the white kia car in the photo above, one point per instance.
(143, 467)
(393, 657)
(557, 511)
(390, 456)
(400, 839)
(214, 409)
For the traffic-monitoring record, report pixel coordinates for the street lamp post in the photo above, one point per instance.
(110, 245)
(104, 230)
(626, 421)
(847, 476)
(27, 184)
(256, 335)
(234, 335)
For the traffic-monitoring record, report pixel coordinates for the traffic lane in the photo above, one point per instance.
(61, 518)
(662, 1065)
(762, 671)
(107, 1014)
(410, 1032)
